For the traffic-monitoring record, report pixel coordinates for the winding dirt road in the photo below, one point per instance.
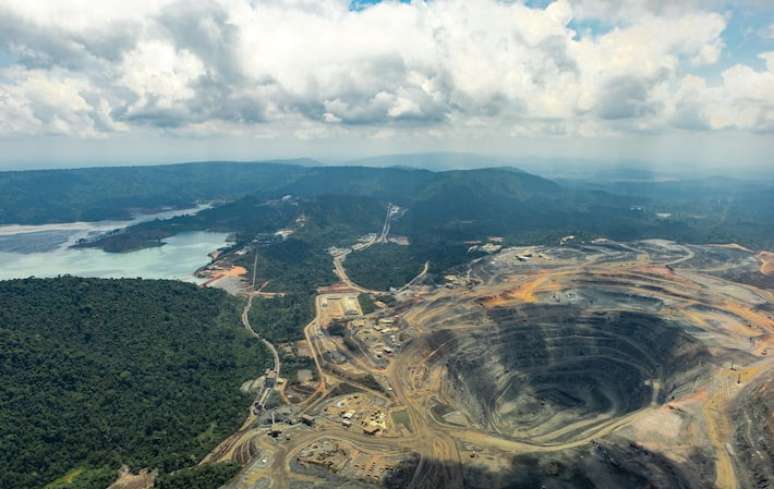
(249, 328)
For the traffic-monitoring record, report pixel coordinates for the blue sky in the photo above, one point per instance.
(361, 4)
(5, 58)
(743, 37)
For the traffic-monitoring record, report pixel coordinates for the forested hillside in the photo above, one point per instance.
(446, 205)
(99, 373)
(282, 319)
(332, 206)
(383, 266)
(444, 211)
(93, 194)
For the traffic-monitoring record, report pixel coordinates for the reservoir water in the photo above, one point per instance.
(44, 251)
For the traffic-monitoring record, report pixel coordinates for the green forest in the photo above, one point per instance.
(387, 265)
(198, 477)
(444, 211)
(282, 319)
(94, 194)
(366, 303)
(292, 266)
(382, 266)
(339, 202)
(99, 373)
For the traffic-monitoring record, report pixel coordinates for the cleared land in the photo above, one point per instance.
(767, 265)
(643, 364)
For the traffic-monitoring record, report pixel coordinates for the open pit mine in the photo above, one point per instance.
(588, 365)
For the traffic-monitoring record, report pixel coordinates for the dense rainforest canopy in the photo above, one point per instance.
(99, 373)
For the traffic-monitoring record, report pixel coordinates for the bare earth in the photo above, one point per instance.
(637, 365)
(767, 262)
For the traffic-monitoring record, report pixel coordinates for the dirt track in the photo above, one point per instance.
(654, 283)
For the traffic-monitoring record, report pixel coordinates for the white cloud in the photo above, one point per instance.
(743, 100)
(156, 69)
(632, 11)
(51, 102)
(311, 66)
(748, 98)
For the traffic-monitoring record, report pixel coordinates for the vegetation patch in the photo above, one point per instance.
(94, 194)
(199, 477)
(84, 478)
(100, 373)
(282, 319)
(366, 303)
(292, 266)
(383, 266)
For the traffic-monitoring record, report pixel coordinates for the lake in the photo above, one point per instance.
(44, 251)
(178, 259)
(32, 238)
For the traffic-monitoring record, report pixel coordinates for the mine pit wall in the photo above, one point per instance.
(612, 463)
(442, 343)
(753, 439)
(614, 354)
(456, 388)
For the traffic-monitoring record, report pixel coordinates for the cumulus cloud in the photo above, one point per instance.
(314, 66)
(745, 100)
(52, 102)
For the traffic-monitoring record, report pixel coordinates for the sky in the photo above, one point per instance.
(156, 81)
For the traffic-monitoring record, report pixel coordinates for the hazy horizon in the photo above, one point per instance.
(444, 161)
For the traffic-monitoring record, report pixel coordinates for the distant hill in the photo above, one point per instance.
(399, 184)
(443, 206)
(434, 161)
(409, 185)
(92, 194)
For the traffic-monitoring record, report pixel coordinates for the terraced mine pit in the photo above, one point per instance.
(592, 365)
(550, 374)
